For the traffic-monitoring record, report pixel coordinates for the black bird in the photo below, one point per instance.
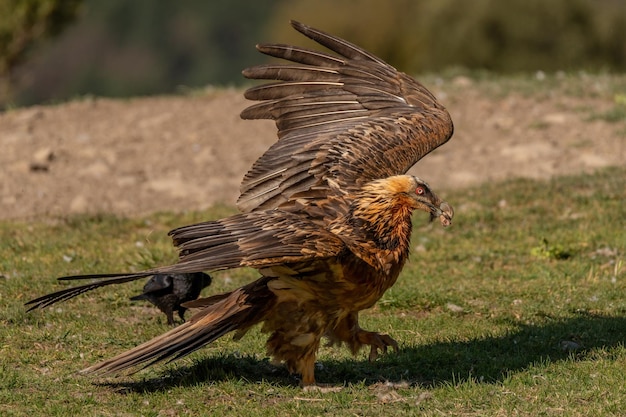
(169, 291)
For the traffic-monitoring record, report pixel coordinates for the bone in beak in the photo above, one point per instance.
(447, 213)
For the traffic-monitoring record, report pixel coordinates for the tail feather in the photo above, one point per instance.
(68, 293)
(238, 310)
(102, 280)
(97, 276)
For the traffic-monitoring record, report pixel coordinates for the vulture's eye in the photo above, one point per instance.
(419, 191)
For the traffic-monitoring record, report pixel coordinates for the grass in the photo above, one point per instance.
(518, 309)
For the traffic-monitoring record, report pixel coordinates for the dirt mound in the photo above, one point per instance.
(185, 153)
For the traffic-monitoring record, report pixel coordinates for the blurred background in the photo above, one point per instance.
(55, 50)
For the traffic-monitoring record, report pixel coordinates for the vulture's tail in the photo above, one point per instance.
(238, 310)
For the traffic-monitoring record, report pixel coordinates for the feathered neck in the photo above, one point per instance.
(386, 212)
(377, 227)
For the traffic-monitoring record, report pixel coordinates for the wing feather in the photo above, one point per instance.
(257, 240)
(343, 119)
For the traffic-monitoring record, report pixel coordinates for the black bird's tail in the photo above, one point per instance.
(102, 280)
(138, 297)
(67, 293)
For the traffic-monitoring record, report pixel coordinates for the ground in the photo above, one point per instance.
(180, 153)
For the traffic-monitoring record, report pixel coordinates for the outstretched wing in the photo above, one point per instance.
(342, 120)
(258, 240)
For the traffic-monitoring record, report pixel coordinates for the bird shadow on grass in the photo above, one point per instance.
(485, 360)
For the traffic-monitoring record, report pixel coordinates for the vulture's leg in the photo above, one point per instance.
(349, 332)
(376, 341)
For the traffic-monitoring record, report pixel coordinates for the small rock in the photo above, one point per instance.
(454, 308)
(43, 155)
(41, 160)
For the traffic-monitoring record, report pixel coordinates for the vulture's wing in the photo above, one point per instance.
(342, 120)
(258, 240)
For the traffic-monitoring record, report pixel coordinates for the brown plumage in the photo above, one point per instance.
(326, 210)
(342, 122)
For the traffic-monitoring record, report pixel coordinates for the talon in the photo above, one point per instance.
(390, 342)
(373, 353)
(377, 341)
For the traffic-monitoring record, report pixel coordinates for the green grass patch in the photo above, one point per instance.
(518, 309)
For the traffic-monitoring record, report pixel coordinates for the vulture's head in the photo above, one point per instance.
(410, 192)
(426, 200)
